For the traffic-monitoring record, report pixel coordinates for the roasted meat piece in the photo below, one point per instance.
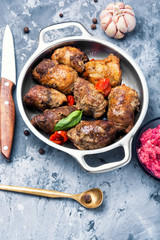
(92, 134)
(50, 117)
(107, 68)
(42, 68)
(122, 103)
(41, 98)
(71, 56)
(88, 99)
(61, 77)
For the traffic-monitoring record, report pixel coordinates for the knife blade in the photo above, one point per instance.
(7, 107)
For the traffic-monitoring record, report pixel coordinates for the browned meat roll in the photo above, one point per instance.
(41, 98)
(42, 68)
(50, 117)
(61, 77)
(122, 103)
(107, 68)
(71, 56)
(88, 99)
(92, 134)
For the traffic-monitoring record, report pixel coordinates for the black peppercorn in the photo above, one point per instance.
(26, 30)
(87, 198)
(93, 26)
(26, 132)
(61, 15)
(41, 151)
(94, 20)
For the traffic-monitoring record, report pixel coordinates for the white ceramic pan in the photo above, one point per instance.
(94, 48)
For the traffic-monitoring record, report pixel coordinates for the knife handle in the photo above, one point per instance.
(7, 116)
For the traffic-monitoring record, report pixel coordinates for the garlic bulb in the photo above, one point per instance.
(117, 19)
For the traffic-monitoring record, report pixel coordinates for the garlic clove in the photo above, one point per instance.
(111, 29)
(105, 22)
(121, 25)
(115, 18)
(119, 35)
(128, 7)
(130, 22)
(103, 14)
(120, 5)
(129, 11)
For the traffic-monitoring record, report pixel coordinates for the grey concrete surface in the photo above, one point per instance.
(131, 207)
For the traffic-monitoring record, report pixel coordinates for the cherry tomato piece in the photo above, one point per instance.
(59, 137)
(103, 86)
(70, 99)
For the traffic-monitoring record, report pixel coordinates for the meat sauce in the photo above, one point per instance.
(149, 151)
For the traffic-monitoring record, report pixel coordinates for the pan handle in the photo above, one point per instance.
(42, 42)
(108, 166)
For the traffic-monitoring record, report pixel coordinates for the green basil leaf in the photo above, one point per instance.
(70, 121)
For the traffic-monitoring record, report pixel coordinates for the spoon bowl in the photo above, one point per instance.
(96, 198)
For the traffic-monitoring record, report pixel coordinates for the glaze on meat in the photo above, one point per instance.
(107, 68)
(92, 134)
(88, 99)
(122, 103)
(42, 68)
(60, 77)
(71, 56)
(41, 98)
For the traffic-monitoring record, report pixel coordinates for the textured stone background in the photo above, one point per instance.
(131, 207)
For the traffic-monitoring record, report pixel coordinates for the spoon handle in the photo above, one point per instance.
(36, 191)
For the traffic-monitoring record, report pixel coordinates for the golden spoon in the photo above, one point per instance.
(91, 198)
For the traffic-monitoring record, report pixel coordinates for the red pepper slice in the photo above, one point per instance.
(70, 99)
(92, 59)
(103, 86)
(59, 137)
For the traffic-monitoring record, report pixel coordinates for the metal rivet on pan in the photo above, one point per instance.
(6, 102)
(6, 84)
(5, 148)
